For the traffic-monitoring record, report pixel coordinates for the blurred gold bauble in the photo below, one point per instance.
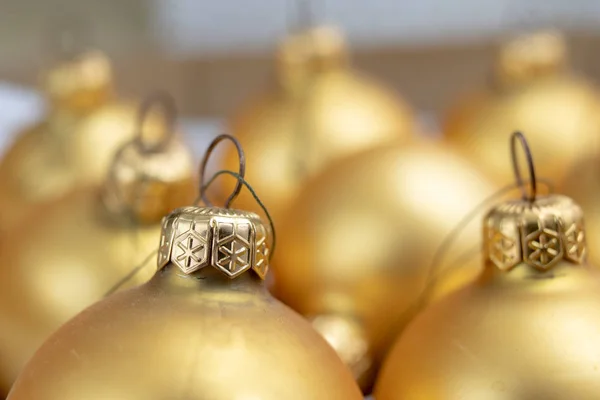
(205, 327)
(74, 143)
(533, 92)
(527, 328)
(66, 255)
(357, 244)
(319, 111)
(582, 183)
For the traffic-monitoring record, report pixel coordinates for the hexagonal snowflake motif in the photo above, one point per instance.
(261, 262)
(164, 248)
(233, 241)
(503, 250)
(190, 252)
(575, 243)
(543, 248)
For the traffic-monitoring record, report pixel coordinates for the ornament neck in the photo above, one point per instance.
(349, 340)
(81, 84)
(531, 57)
(208, 280)
(308, 55)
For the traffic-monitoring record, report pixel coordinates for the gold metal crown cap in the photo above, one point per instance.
(313, 49)
(88, 75)
(151, 178)
(232, 241)
(532, 55)
(539, 233)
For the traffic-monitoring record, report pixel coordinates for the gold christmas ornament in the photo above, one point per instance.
(357, 245)
(318, 111)
(533, 91)
(527, 328)
(71, 252)
(204, 327)
(73, 145)
(582, 184)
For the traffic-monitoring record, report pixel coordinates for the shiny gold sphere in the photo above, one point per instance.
(356, 247)
(319, 111)
(533, 92)
(72, 146)
(69, 253)
(205, 327)
(527, 328)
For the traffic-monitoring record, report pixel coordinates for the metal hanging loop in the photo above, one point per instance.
(166, 103)
(518, 136)
(241, 171)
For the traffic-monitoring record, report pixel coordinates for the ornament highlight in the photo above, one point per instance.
(206, 317)
(527, 328)
(358, 243)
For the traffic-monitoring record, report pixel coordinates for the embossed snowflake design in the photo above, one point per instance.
(545, 246)
(503, 250)
(190, 252)
(575, 243)
(235, 256)
(163, 249)
(233, 241)
(262, 256)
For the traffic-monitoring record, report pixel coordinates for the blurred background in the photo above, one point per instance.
(212, 54)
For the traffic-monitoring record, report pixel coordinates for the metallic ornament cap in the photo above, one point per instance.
(89, 71)
(149, 184)
(231, 241)
(313, 48)
(532, 55)
(538, 233)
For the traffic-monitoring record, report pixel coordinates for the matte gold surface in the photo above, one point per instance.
(319, 110)
(67, 254)
(535, 93)
(360, 239)
(74, 143)
(196, 336)
(582, 183)
(529, 331)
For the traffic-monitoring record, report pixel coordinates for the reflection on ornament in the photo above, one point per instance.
(204, 327)
(319, 111)
(66, 255)
(532, 92)
(73, 145)
(357, 244)
(527, 328)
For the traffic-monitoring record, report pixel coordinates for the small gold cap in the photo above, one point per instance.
(538, 233)
(149, 184)
(531, 56)
(232, 241)
(82, 82)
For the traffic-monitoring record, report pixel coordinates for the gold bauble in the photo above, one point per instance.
(582, 183)
(532, 92)
(527, 328)
(205, 327)
(319, 110)
(68, 254)
(74, 143)
(357, 245)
